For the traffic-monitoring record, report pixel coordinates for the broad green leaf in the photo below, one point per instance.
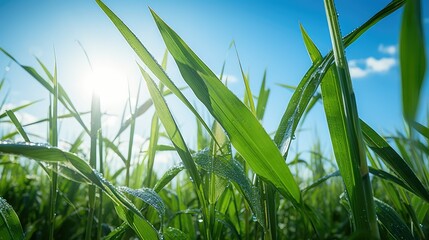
(244, 130)
(232, 170)
(392, 222)
(393, 160)
(175, 234)
(141, 226)
(10, 226)
(412, 57)
(148, 196)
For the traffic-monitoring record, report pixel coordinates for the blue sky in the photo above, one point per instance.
(266, 33)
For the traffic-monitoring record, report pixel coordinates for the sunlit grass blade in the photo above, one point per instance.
(18, 125)
(10, 226)
(244, 130)
(412, 57)
(262, 98)
(149, 61)
(424, 131)
(153, 142)
(62, 95)
(167, 177)
(114, 147)
(149, 196)
(392, 159)
(249, 93)
(15, 109)
(176, 138)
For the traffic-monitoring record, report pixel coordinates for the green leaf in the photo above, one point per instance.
(392, 159)
(167, 177)
(391, 221)
(148, 196)
(412, 57)
(232, 170)
(149, 61)
(424, 131)
(10, 226)
(244, 130)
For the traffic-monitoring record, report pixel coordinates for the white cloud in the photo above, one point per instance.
(229, 78)
(390, 49)
(363, 67)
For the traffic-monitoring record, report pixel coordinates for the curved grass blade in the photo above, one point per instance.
(18, 125)
(167, 177)
(393, 160)
(391, 221)
(149, 61)
(148, 196)
(19, 108)
(412, 57)
(424, 131)
(262, 98)
(10, 226)
(245, 131)
(312, 78)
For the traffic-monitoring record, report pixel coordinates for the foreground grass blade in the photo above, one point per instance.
(412, 57)
(244, 130)
(392, 159)
(346, 136)
(149, 61)
(10, 226)
(392, 222)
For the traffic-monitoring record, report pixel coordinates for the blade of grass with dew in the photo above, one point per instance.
(312, 78)
(149, 61)
(167, 177)
(245, 132)
(392, 222)
(10, 226)
(392, 159)
(412, 57)
(176, 137)
(46, 153)
(345, 131)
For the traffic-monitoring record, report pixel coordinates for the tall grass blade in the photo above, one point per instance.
(167, 177)
(262, 98)
(18, 125)
(412, 57)
(15, 109)
(149, 61)
(10, 226)
(244, 130)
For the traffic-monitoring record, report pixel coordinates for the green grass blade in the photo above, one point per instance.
(148, 196)
(153, 142)
(10, 226)
(412, 57)
(18, 125)
(392, 159)
(110, 145)
(245, 131)
(19, 108)
(262, 98)
(176, 138)
(167, 177)
(149, 61)
(424, 131)
(392, 222)
(312, 78)
(249, 93)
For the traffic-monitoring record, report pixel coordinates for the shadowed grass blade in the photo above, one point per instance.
(392, 222)
(244, 130)
(10, 226)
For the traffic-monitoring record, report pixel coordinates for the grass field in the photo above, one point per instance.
(235, 183)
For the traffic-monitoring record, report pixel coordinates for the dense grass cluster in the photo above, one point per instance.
(235, 183)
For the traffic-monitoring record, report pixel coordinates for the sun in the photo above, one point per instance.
(110, 83)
